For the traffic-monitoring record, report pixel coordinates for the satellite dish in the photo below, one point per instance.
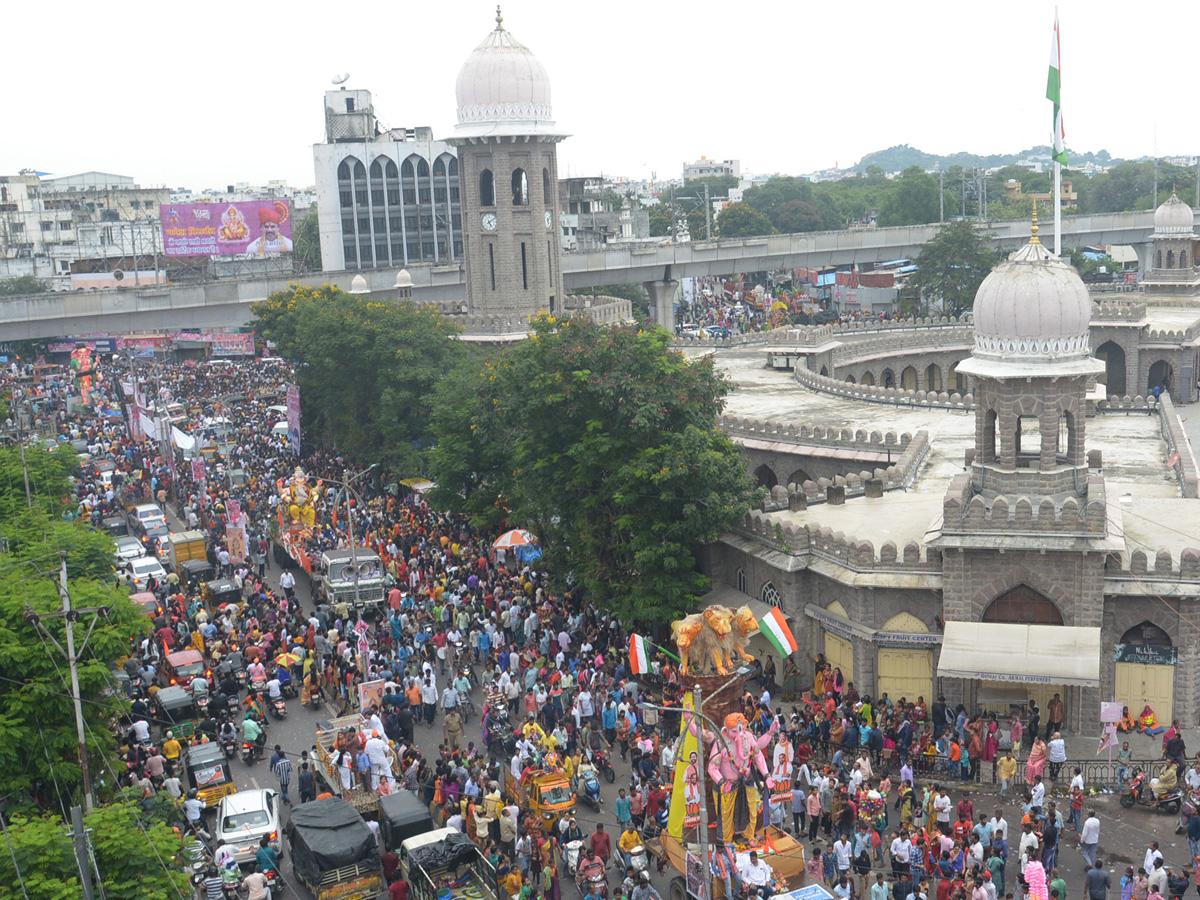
(342, 78)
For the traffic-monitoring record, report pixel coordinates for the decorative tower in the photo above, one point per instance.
(1174, 269)
(1024, 530)
(508, 164)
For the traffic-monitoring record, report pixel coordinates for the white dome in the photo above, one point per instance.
(403, 279)
(1174, 217)
(358, 285)
(502, 89)
(1032, 308)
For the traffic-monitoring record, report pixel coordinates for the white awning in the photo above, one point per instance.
(1035, 654)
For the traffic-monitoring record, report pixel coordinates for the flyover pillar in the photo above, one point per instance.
(662, 302)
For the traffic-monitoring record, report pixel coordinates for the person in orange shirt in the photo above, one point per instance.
(413, 695)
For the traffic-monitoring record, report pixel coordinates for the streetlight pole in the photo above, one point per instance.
(347, 482)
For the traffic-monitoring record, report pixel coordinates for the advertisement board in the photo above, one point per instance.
(242, 228)
(223, 344)
(293, 418)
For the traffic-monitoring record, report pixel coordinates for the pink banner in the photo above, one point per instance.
(243, 228)
(198, 473)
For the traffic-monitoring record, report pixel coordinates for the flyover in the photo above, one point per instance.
(226, 303)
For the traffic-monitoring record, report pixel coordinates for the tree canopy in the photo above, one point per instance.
(950, 269)
(306, 242)
(603, 442)
(368, 368)
(913, 200)
(22, 284)
(742, 220)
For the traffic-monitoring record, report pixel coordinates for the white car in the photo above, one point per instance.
(129, 547)
(243, 818)
(280, 429)
(147, 513)
(143, 569)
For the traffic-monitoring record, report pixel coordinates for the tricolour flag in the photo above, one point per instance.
(1054, 95)
(639, 656)
(775, 630)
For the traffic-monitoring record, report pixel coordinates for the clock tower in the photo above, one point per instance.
(508, 173)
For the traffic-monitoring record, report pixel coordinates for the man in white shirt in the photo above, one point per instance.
(999, 825)
(901, 853)
(1037, 796)
(1152, 853)
(842, 855)
(756, 873)
(941, 806)
(1089, 837)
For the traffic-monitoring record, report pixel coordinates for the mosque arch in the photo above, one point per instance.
(1023, 605)
(765, 476)
(1112, 355)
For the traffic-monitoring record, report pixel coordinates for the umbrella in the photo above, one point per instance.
(518, 537)
(288, 658)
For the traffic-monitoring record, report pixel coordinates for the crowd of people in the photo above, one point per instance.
(467, 631)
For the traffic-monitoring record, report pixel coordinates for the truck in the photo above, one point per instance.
(185, 545)
(353, 576)
(334, 853)
(364, 802)
(446, 860)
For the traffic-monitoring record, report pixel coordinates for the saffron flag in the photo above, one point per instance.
(775, 630)
(1054, 95)
(639, 657)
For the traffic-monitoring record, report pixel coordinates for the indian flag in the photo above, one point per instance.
(1054, 95)
(775, 630)
(639, 655)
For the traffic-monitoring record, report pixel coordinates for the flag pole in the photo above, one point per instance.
(1057, 208)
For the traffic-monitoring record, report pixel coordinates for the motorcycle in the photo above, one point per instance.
(288, 685)
(592, 879)
(278, 707)
(251, 752)
(1190, 807)
(601, 761)
(639, 860)
(229, 746)
(202, 702)
(1139, 792)
(587, 789)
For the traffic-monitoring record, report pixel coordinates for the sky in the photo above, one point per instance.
(196, 96)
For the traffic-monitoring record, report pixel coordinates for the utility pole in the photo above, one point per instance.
(21, 443)
(705, 857)
(708, 211)
(82, 855)
(69, 617)
(1156, 181)
(674, 234)
(941, 196)
(963, 190)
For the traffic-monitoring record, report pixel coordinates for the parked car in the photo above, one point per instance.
(146, 512)
(690, 330)
(243, 818)
(717, 331)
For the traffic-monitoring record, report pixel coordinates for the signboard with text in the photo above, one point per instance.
(242, 228)
(1146, 654)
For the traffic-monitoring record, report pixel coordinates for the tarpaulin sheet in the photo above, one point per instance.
(454, 851)
(328, 834)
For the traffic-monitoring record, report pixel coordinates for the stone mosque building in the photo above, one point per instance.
(1014, 515)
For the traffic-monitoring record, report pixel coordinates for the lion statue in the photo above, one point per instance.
(701, 636)
(745, 626)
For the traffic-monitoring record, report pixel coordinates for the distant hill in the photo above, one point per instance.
(900, 157)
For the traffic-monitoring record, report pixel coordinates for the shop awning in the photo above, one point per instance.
(1036, 654)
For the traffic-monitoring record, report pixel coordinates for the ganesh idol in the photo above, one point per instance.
(732, 756)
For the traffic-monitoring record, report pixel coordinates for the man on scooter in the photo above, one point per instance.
(629, 840)
(590, 867)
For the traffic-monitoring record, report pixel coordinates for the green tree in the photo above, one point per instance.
(951, 267)
(718, 186)
(22, 284)
(796, 216)
(36, 715)
(603, 442)
(913, 199)
(697, 224)
(775, 192)
(135, 857)
(741, 220)
(660, 220)
(306, 242)
(368, 368)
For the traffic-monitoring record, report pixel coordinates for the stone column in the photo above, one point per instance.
(662, 302)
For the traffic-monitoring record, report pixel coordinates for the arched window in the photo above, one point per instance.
(546, 186)
(487, 188)
(422, 168)
(1147, 633)
(1023, 605)
(520, 188)
(345, 186)
(770, 594)
(765, 476)
(1158, 259)
(377, 183)
(741, 580)
(439, 168)
(1170, 259)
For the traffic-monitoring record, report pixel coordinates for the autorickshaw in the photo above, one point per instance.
(175, 711)
(209, 773)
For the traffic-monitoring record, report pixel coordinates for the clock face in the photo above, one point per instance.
(549, 219)
(488, 221)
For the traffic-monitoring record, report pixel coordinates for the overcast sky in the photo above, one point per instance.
(204, 95)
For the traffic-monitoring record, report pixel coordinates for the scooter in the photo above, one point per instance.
(278, 707)
(573, 848)
(587, 789)
(229, 746)
(1139, 792)
(287, 684)
(602, 764)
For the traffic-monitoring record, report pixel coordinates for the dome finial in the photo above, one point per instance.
(499, 19)
(1033, 229)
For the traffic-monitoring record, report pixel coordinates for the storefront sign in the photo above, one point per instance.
(1146, 654)
(906, 639)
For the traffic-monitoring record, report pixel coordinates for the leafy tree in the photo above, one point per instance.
(741, 220)
(913, 199)
(306, 242)
(602, 441)
(697, 224)
(773, 193)
(634, 293)
(796, 216)
(134, 864)
(40, 754)
(951, 267)
(660, 220)
(718, 186)
(368, 368)
(22, 284)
